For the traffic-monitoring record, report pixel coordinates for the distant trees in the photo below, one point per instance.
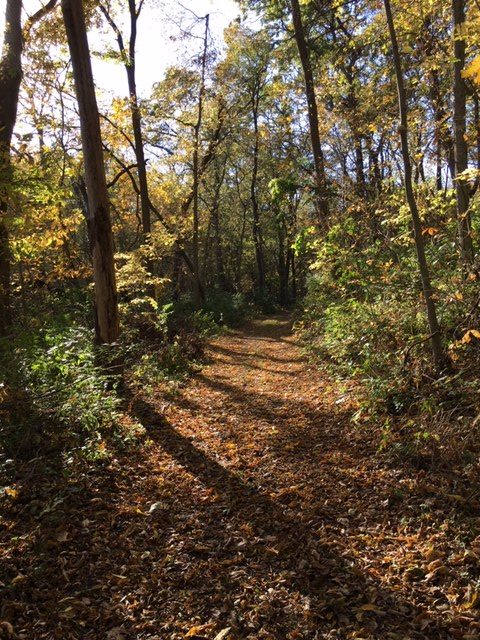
(258, 155)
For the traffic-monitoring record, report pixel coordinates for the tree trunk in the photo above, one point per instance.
(435, 335)
(10, 78)
(476, 124)
(137, 122)
(283, 264)
(136, 118)
(106, 308)
(321, 181)
(459, 121)
(257, 229)
(294, 275)
(196, 164)
(239, 257)
(359, 168)
(219, 262)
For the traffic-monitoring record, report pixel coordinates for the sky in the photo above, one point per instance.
(158, 44)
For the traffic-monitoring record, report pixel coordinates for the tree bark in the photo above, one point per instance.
(100, 229)
(460, 146)
(321, 181)
(257, 228)
(10, 78)
(196, 165)
(219, 261)
(128, 58)
(283, 263)
(434, 327)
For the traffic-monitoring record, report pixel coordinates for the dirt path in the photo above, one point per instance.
(254, 505)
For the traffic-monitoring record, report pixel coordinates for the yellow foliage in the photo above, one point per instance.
(472, 71)
(471, 333)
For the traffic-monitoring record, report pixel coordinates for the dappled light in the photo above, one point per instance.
(253, 505)
(239, 320)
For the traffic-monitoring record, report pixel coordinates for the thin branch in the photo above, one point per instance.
(38, 15)
(120, 174)
(120, 130)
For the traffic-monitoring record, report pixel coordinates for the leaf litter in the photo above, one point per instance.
(255, 509)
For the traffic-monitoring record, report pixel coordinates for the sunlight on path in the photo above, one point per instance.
(255, 509)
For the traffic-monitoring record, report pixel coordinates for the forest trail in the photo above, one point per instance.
(254, 505)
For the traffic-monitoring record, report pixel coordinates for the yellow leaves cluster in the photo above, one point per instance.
(472, 71)
(468, 335)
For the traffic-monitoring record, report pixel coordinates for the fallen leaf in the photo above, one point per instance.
(474, 601)
(198, 629)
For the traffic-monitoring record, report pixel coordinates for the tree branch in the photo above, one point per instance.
(38, 15)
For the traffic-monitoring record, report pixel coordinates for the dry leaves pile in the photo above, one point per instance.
(254, 510)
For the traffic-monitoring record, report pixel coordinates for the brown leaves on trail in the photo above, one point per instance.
(254, 511)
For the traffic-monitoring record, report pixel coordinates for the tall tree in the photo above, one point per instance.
(10, 78)
(257, 227)
(100, 229)
(460, 143)
(196, 161)
(321, 182)
(434, 327)
(128, 59)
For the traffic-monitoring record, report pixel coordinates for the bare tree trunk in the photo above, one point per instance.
(257, 228)
(435, 335)
(137, 121)
(177, 265)
(374, 173)
(294, 275)
(239, 256)
(322, 198)
(283, 264)
(101, 237)
(359, 168)
(128, 58)
(219, 262)
(196, 164)
(476, 122)
(10, 78)
(459, 122)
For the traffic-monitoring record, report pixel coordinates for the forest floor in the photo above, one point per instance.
(254, 509)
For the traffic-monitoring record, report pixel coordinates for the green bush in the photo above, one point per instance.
(55, 389)
(364, 313)
(227, 309)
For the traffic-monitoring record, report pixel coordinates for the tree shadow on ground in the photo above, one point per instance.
(273, 328)
(231, 353)
(96, 561)
(281, 543)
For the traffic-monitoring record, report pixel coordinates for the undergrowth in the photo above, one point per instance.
(62, 394)
(364, 318)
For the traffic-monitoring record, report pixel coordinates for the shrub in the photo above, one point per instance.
(56, 390)
(364, 314)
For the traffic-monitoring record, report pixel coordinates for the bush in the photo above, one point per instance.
(364, 314)
(227, 309)
(56, 390)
